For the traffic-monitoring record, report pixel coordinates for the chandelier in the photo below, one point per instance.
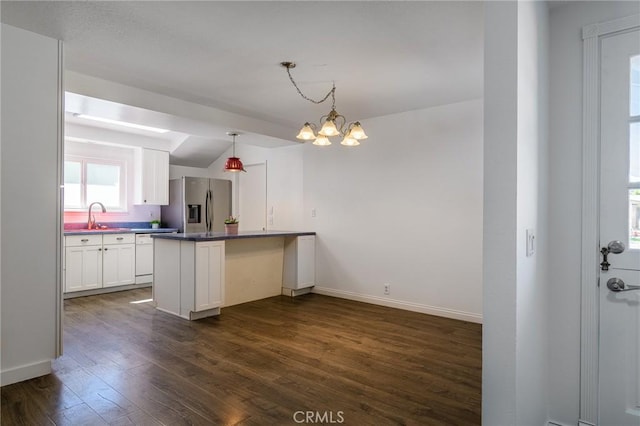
(233, 163)
(332, 124)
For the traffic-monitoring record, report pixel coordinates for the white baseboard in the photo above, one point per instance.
(25, 372)
(556, 423)
(400, 304)
(583, 423)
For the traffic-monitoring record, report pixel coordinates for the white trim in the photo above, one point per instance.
(25, 372)
(556, 423)
(400, 304)
(60, 205)
(591, 35)
(581, 423)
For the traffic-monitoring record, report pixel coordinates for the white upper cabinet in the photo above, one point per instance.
(151, 177)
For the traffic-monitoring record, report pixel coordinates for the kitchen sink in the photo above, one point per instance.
(98, 230)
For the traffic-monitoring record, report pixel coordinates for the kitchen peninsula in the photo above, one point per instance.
(196, 274)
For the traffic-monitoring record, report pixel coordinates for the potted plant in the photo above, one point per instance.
(155, 224)
(231, 225)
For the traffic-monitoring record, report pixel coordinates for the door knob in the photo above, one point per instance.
(615, 247)
(617, 285)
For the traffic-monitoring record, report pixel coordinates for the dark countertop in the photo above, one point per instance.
(219, 236)
(119, 231)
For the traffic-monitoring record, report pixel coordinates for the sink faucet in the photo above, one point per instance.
(91, 223)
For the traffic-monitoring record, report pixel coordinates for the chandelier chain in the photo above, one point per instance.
(331, 93)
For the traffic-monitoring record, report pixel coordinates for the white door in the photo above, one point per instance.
(253, 198)
(619, 357)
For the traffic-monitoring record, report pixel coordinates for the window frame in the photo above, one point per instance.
(84, 160)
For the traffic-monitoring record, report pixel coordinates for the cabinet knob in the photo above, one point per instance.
(99, 249)
(105, 249)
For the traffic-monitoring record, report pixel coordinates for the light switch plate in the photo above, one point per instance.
(531, 242)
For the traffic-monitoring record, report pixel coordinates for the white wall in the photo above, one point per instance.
(405, 208)
(532, 203)
(30, 191)
(515, 358)
(500, 214)
(284, 181)
(565, 172)
(176, 172)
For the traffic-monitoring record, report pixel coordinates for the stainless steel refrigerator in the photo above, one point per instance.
(197, 204)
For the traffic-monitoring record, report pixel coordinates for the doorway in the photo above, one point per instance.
(610, 340)
(252, 191)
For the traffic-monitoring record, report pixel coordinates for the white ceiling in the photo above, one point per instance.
(384, 57)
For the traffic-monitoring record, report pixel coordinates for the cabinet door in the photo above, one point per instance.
(152, 177)
(119, 265)
(161, 178)
(306, 261)
(209, 275)
(83, 268)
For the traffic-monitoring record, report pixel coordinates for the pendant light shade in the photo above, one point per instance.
(329, 129)
(306, 133)
(322, 141)
(349, 140)
(357, 132)
(234, 164)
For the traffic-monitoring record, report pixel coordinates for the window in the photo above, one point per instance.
(89, 179)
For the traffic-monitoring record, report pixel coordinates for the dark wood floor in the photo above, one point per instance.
(262, 363)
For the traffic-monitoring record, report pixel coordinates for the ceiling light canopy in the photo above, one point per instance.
(233, 163)
(122, 123)
(332, 124)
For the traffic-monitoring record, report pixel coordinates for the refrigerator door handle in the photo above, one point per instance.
(206, 212)
(211, 211)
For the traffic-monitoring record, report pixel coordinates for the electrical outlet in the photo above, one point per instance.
(387, 289)
(313, 212)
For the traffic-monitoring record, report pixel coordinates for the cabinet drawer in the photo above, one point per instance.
(119, 238)
(83, 240)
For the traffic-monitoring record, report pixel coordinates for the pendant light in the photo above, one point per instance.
(332, 124)
(233, 163)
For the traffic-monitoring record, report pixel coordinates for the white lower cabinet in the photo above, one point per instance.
(209, 273)
(99, 261)
(189, 277)
(118, 265)
(83, 268)
(299, 262)
(82, 262)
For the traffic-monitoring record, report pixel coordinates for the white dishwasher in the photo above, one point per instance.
(144, 258)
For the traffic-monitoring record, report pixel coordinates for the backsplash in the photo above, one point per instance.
(133, 225)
